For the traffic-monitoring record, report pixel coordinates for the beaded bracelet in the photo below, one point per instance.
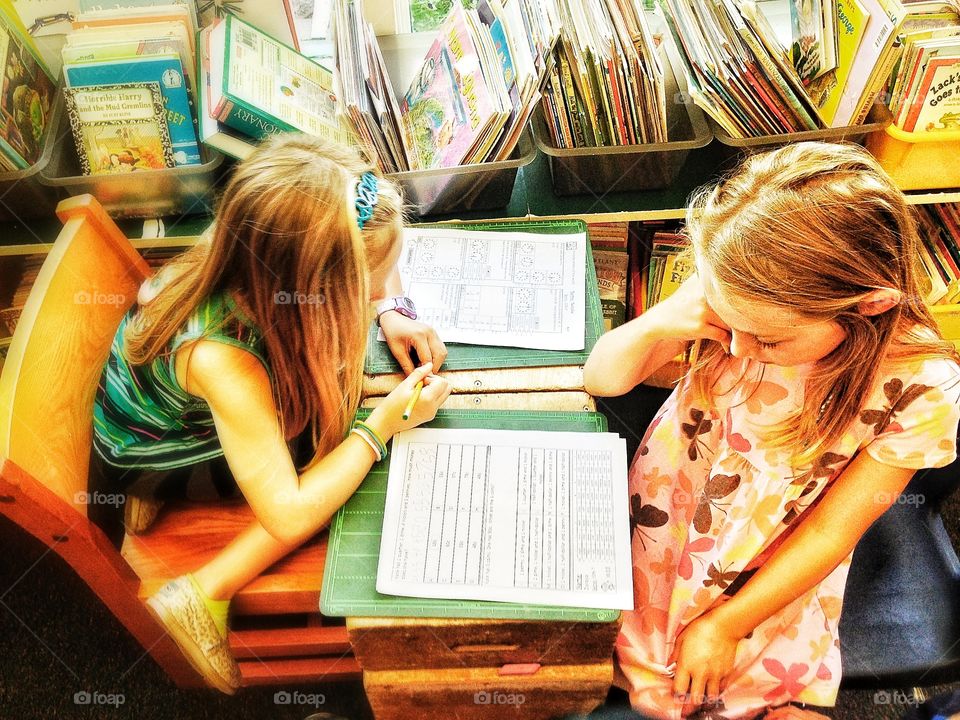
(372, 434)
(366, 438)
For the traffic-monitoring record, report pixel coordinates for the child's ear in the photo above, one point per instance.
(879, 301)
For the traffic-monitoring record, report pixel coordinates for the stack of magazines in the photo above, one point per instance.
(606, 87)
(474, 92)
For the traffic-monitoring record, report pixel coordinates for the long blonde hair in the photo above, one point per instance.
(814, 228)
(286, 243)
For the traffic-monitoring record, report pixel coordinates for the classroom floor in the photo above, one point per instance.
(57, 640)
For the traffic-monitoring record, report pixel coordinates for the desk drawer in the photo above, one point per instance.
(412, 643)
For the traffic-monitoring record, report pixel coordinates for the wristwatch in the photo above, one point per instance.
(401, 304)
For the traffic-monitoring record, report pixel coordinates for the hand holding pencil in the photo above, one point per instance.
(413, 402)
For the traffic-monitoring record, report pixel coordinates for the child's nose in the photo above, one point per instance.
(740, 346)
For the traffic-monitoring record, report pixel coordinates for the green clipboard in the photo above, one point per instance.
(353, 549)
(481, 357)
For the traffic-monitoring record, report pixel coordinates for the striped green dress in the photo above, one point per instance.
(142, 418)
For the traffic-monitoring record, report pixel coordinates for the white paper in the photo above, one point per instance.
(495, 288)
(513, 516)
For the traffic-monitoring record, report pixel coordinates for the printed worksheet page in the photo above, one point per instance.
(497, 288)
(514, 516)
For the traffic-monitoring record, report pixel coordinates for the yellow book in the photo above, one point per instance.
(852, 19)
(677, 268)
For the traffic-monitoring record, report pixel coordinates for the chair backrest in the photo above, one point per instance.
(87, 283)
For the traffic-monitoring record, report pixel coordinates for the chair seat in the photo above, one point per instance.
(187, 535)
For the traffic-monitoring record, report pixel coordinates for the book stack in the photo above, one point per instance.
(940, 252)
(472, 96)
(925, 86)
(610, 260)
(744, 77)
(129, 85)
(659, 262)
(10, 315)
(26, 94)
(606, 86)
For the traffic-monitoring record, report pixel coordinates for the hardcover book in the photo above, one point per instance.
(163, 69)
(262, 87)
(119, 128)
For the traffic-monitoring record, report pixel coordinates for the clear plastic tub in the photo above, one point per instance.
(878, 118)
(22, 194)
(184, 190)
(652, 166)
(484, 186)
(918, 161)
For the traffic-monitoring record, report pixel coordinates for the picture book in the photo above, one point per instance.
(26, 96)
(937, 105)
(163, 69)
(119, 128)
(262, 87)
(449, 106)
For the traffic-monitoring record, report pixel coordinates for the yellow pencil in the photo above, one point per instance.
(413, 401)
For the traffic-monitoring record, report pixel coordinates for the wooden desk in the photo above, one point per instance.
(455, 668)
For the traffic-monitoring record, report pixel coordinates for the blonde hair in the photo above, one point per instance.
(286, 223)
(814, 228)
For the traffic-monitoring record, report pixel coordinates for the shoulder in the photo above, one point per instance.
(213, 370)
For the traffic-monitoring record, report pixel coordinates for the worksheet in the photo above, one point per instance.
(515, 516)
(497, 288)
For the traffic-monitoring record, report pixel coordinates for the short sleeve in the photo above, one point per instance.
(918, 427)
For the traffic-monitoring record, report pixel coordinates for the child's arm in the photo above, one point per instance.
(864, 490)
(403, 334)
(236, 387)
(626, 356)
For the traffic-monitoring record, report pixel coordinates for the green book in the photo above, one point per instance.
(353, 550)
(261, 87)
(483, 357)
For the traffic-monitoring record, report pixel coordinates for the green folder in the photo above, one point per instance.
(482, 357)
(350, 575)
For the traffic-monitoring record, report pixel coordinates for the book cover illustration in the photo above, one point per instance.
(937, 106)
(448, 105)
(119, 128)
(26, 96)
(165, 70)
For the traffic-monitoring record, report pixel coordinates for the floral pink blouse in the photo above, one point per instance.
(708, 498)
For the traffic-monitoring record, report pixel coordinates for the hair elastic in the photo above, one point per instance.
(367, 188)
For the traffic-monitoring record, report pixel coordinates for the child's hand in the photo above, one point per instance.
(704, 654)
(387, 417)
(686, 316)
(403, 335)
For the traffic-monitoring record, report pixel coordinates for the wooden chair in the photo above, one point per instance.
(88, 281)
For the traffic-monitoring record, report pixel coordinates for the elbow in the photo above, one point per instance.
(290, 526)
(598, 383)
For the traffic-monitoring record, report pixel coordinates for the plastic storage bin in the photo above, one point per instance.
(652, 166)
(184, 190)
(483, 186)
(22, 194)
(918, 161)
(441, 191)
(878, 118)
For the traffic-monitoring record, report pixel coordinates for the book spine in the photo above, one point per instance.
(244, 118)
